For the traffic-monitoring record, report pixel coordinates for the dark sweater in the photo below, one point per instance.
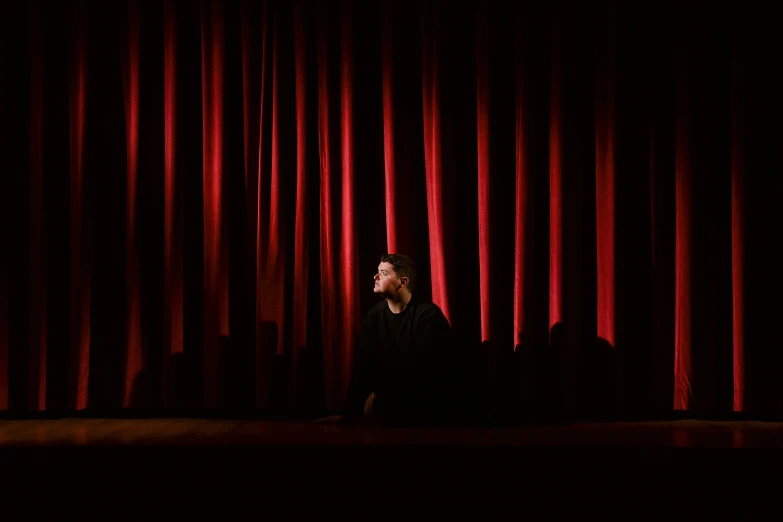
(404, 359)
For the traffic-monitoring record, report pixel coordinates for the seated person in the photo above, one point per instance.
(404, 370)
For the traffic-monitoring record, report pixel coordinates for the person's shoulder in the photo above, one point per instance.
(429, 309)
(375, 311)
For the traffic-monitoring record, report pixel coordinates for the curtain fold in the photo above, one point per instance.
(38, 323)
(173, 297)
(130, 68)
(80, 246)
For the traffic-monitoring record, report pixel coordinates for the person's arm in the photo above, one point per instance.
(360, 386)
(435, 345)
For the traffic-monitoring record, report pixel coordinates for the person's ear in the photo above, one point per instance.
(403, 282)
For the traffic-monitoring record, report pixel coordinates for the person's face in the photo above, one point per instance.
(387, 282)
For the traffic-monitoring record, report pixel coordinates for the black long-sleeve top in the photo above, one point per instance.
(404, 359)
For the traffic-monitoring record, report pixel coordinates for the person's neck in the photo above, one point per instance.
(398, 304)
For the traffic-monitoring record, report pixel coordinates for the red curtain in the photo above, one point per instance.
(195, 195)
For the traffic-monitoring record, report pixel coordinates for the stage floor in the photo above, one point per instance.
(240, 469)
(217, 432)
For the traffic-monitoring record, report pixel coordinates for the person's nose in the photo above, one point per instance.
(375, 277)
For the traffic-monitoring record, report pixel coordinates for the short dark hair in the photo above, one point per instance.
(403, 266)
